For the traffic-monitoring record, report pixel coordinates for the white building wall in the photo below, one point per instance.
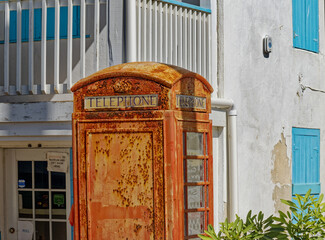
(268, 96)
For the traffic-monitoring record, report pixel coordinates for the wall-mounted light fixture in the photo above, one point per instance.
(267, 44)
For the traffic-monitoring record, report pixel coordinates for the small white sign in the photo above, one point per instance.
(57, 162)
(25, 230)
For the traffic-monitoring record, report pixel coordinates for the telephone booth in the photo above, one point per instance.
(142, 153)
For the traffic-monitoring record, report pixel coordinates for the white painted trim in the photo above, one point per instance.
(18, 49)
(37, 98)
(83, 37)
(131, 30)
(11, 211)
(214, 50)
(25, 142)
(31, 48)
(6, 50)
(2, 183)
(96, 34)
(43, 47)
(57, 47)
(69, 54)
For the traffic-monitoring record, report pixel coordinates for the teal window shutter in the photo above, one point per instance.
(305, 161)
(50, 24)
(305, 21)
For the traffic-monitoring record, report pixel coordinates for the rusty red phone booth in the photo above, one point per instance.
(142, 153)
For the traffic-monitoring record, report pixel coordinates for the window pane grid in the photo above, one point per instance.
(196, 197)
(42, 201)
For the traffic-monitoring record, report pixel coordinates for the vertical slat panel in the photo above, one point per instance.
(56, 46)
(190, 37)
(204, 46)
(69, 51)
(210, 41)
(170, 40)
(83, 37)
(96, 35)
(31, 48)
(6, 49)
(139, 25)
(144, 10)
(18, 53)
(160, 37)
(43, 47)
(175, 46)
(194, 46)
(185, 38)
(166, 33)
(180, 37)
(150, 30)
(156, 31)
(199, 43)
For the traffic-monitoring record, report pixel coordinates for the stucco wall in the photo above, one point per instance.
(268, 96)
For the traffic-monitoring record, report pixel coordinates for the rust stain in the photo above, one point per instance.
(281, 174)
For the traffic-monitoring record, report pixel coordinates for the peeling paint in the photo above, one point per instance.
(281, 174)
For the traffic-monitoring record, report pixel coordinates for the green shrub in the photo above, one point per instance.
(305, 221)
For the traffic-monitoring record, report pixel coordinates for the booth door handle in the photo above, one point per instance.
(12, 230)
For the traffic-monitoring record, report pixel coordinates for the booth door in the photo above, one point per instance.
(124, 163)
(37, 201)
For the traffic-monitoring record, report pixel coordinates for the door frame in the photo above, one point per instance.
(10, 156)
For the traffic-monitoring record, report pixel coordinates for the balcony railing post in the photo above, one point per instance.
(131, 28)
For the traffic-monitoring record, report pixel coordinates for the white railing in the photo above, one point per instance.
(36, 66)
(166, 32)
(176, 34)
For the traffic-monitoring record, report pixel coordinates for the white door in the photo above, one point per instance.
(37, 202)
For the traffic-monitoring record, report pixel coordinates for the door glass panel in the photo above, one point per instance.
(25, 204)
(195, 170)
(24, 174)
(194, 144)
(59, 230)
(195, 197)
(41, 175)
(58, 205)
(42, 231)
(195, 223)
(42, 204)
(57, 180)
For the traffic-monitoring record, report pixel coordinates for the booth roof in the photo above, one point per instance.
(164, 74)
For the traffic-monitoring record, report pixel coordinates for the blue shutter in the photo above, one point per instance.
(305, 161)
(312, 25)
(298, 23)
(13, 26)
(50, 24)
(305, 21)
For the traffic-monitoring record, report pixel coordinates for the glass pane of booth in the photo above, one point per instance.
(195, 223)
(195, 170)
(194, 144)
(195, 197)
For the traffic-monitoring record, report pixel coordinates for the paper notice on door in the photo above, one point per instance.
(57, 162)
(25, 230)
